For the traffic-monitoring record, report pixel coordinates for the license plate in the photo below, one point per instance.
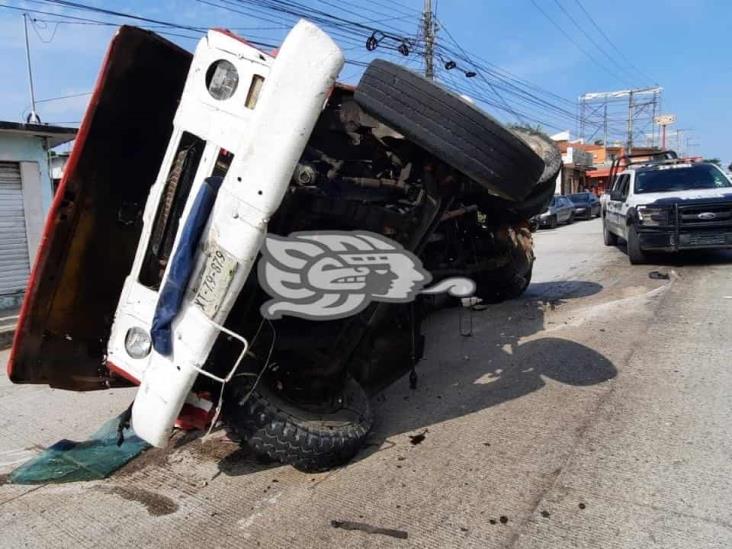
(215, 280)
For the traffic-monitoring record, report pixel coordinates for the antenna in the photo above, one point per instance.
(33, 117)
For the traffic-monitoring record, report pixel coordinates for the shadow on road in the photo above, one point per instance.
(462, 375)
(560, 290)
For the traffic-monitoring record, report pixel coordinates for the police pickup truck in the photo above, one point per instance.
(666, 204)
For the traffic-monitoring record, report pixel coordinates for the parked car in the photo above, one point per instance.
(560, 210)
(233, 143)
(586, 205)
(666, 204)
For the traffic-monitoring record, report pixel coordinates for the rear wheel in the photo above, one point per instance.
(635, 254)
(510, 280)
(451, 129)
(500, 286)
(312, 438)
(609, 238)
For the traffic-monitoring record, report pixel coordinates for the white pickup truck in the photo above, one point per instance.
(668, 205)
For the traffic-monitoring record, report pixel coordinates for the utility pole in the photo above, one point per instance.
(631, 108)
(428, 29)
(33, 117)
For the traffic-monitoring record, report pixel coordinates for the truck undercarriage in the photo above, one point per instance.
(300, 395)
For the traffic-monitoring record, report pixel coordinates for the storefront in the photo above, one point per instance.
(25, 196)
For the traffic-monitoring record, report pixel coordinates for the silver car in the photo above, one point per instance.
(560, 210)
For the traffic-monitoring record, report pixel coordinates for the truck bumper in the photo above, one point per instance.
(671, 241)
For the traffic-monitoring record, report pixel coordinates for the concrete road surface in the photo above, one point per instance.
(594, 412)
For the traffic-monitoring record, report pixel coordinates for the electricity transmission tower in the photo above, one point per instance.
(623, 117)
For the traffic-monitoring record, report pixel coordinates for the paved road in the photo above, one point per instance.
(594, 412)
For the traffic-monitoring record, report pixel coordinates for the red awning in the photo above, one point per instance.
(598, 173)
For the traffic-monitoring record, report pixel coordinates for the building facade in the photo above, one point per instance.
(26, 191)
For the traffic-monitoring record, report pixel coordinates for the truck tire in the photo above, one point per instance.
(635, 254)
(274, 427)
(609, 238)
(502, 285)
(545, 148)
(450, 128)
(532, 205)
(510, 280)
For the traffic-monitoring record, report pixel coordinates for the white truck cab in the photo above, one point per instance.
(242, 123)
(668, 205)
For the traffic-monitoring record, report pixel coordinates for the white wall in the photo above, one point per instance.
(29, 149)
(35, 179)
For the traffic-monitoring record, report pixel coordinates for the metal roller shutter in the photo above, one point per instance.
(14, 262)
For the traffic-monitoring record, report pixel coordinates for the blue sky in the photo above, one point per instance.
(681, 45)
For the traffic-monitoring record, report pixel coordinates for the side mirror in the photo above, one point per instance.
(616, 195)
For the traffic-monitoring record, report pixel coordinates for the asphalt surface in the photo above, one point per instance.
(593, 412)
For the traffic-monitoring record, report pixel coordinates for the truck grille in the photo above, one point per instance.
(700, 215)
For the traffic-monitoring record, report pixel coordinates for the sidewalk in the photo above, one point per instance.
(8, 321)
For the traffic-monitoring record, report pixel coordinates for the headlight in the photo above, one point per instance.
(652, 217)
(222, 79)
(137, 343)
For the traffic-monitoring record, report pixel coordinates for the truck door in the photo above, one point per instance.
(614, 206)
(622, 207)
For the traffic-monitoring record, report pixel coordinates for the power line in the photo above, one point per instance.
(607, 38)
(515, 87)
(61, 97)
(576, 43)
(85, 7)
(590, 38)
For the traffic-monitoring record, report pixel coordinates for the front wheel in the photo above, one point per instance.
(553, 222)
(310, 438)
(636, 255)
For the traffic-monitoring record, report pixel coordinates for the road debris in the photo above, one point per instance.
(363, 527)
(93, 459)
(657, 275)
(418, 438)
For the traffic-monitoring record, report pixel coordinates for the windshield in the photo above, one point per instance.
(702, 176)
(580, 197)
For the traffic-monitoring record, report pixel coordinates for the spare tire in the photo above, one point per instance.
(540, 196)
(450, 128)
(545, 148)
(536, 202)
(277, 428)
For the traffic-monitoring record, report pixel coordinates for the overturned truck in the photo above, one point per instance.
(147, 272)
